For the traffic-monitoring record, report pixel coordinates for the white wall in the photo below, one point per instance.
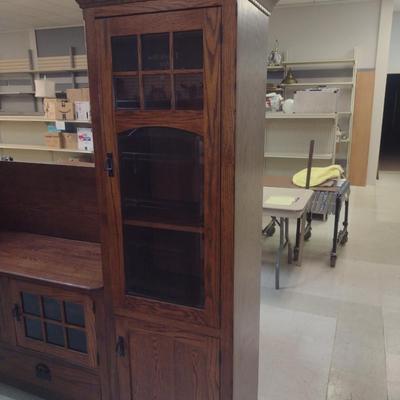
(14, 44)
(394, 59)
(328, 31)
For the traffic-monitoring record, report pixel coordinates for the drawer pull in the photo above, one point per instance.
(43, 372)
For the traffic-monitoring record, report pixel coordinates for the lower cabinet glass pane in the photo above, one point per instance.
(164, 265)
(31, 304)
(74, 314)
(33, 328)
(77, 340)
(55, 334)
(52, 309)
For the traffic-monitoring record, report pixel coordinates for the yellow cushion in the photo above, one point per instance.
(318, 175)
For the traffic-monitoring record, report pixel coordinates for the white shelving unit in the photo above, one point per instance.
(281, 115)
(41, 148)
(22, 135)
(288, 135)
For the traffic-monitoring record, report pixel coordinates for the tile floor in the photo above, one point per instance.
(333, 334)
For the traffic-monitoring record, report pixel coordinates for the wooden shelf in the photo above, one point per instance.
(159, 225)
(298, 155)
(41, 148)
(281, 115)
(53, 260)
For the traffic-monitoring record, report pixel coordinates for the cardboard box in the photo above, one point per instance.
(316, 101)
(58, 109)
(53, 140)
(69, 141)
(85, 139)
(74, 95)
(82, 111)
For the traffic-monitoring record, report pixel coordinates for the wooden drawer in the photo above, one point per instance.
(52, 379)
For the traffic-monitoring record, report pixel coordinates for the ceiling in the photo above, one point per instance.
(310, 2)
(28, 14)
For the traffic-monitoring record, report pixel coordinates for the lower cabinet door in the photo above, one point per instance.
(158, 364)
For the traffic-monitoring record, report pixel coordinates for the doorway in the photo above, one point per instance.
(390, 143)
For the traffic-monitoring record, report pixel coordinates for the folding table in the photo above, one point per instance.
(298, 210)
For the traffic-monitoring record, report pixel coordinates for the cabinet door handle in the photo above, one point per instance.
(120, 347)
(16, 312)
(109, 164)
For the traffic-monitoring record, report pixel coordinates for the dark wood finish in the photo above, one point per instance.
(67, 382)
(7, 334)
(231, 125)
(74, 357)
(209, 21)
(162, 364)
(62, 262)
(49, 200)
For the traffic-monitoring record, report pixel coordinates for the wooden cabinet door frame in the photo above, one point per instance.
(75, 357)
(163, 362)
(205, 123)
(7, 333)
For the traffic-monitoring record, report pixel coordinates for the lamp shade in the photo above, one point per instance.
(45, 88)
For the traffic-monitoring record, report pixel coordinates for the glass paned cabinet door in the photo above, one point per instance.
(165, 148)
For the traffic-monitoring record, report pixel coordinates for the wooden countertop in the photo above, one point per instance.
(64, 262)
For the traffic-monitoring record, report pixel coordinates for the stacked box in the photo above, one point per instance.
(58, 109)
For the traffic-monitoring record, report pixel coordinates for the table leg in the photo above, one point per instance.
(301, 239)
(288, 242)
(280, 250)
(336, 229)
(296, 247)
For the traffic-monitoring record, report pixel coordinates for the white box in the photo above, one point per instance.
(85, 139)
(316, 101)
(82, 110)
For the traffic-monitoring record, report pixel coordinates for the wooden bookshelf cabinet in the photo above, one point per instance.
(178, 108)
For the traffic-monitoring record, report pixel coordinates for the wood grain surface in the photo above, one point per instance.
(62, 262)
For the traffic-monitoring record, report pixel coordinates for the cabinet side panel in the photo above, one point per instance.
(251, 81)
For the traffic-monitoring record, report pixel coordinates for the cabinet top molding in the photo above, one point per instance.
(268, 4)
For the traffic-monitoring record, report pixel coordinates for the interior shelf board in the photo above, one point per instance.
(281, 115)
(327, 156)
(49, 259)
(159, 225)
(41, 148)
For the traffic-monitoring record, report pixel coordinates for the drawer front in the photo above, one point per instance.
(58, 380)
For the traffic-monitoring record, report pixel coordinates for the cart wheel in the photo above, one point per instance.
(345, 239)
(296, 254)
(333, 261)
(270, 231)
(307, 236)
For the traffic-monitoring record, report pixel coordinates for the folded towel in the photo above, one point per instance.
(318, 175)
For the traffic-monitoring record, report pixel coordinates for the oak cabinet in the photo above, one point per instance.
(162, 364)
(178, 109)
